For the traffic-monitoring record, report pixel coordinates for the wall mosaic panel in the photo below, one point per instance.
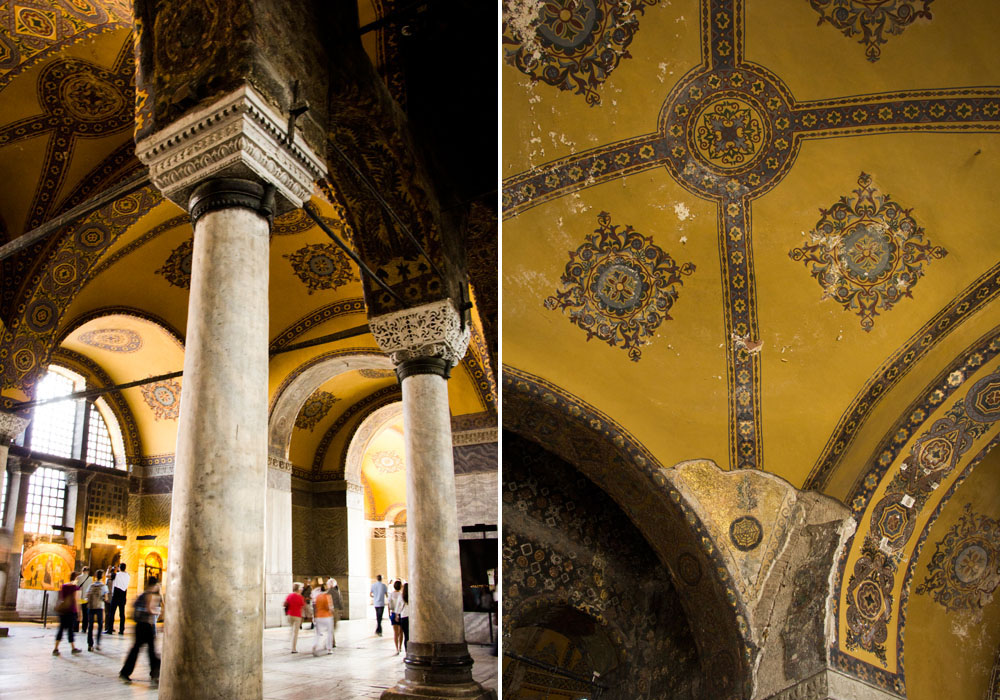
(619, 286)
(121, 340)
(867, 252)
(565, 543)
(321, 266)
(315, 409)
(163, 398)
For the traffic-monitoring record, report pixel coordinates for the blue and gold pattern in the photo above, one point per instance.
(866, 252)
(965, 567)
(872, 20)
(122, 340)
(572, 44)
(619, 286)
(321, 266)
(177, 269)
(315, 409)
(164, 398)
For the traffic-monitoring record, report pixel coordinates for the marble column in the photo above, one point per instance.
(391, 565)
(77, 483)
(233, 165)
(358, 576)
(20, 471)
(11, 425)
(424, 343)
(278, 547)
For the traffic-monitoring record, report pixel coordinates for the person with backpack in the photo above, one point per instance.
(67, 611)
(96, 596)
(147, 608)
(82, 584)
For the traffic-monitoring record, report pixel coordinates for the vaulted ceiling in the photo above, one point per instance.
(765, 234)
(106, 293)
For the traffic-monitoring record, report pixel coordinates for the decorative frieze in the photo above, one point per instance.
(280, 465)
(474, 437)
(239, 135)
(430, 330)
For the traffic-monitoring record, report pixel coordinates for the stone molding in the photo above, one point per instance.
(23, 465)
(239, 135)
(280, 465)
(832, 685)
(79, 478)
(429, 330)
(475, 437)
(279, 480)
(11, 425)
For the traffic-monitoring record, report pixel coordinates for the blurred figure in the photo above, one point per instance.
(293, 609)
(67, 611)
(323, 617)
(96, 595)
(147, 608)
(337, 603)
(118, 592)
(377, 594)
(404, 616)
(395, 603)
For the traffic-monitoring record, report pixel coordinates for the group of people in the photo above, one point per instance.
(83, 601)
(320, 603)
(399, 609)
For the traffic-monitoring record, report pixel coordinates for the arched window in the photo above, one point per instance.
(46, 501)
(77, 429)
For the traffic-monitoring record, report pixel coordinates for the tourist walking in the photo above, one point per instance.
(147, 608)
(293, 609)
(395, 603)
(404, 616)
(377, 594)
(338, 607)
(323, 619)
(96, 595)
(67, 611)
(83, 582)
(119, 589)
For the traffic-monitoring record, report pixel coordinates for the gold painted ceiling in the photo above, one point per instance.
(765, 234)
(106, 293)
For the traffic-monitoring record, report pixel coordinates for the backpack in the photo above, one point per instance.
(95, 595)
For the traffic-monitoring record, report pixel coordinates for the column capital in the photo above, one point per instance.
(78, 477)
(426, 339)
(23, 465)
(11, 425)
(237, 136)
(281, 465)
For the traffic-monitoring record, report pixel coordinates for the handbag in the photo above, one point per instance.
(65, 605)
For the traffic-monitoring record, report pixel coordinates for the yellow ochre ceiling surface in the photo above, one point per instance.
(383, 472)
(765, 234)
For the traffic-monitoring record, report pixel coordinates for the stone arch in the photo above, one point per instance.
(624, 469)
(363, 435)
(300, 385)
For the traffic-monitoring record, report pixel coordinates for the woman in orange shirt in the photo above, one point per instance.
(323, 619)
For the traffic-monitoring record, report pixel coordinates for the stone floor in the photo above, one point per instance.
(361, 666)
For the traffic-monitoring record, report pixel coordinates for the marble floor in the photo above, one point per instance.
(361, 666)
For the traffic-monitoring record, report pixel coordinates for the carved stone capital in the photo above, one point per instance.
(23, 465)
(11, 425)
(429, 331)
(237, 136)
(79, 478)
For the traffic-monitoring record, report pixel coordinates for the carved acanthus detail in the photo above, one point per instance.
(430, 330)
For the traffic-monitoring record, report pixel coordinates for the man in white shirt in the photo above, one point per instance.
(377, 595)
(118, 593)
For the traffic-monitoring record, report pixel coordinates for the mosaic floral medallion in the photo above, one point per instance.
(689, 569)
(872, 20)
(869, 601)
(321, 266)
(387, 461)
(121, 340)
(164, 398)
(619, 286)
(315, 409)
(177, 269)
(376, 373)
(964, 570)
(570, 44)
(746, 533)
(982, 403)
(867, 252)
(729, 133)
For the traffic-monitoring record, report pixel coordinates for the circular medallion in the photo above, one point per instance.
(729, 133)
(869, 599)
(387, 461)
(88, 98)
(321, 266)
(42, 315)
(619, 285)
(746, 533)
(689, 569)
(891, 519)
(868, 254)
(982, 403)
(568, 25)
(163, 398)
(935, 453)
(970, 564)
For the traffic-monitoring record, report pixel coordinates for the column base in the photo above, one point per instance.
(8, 613)
(438, 671)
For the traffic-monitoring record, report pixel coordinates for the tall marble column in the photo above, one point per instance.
(232, 165)
(20, 471)
(424, 343)
(278, 548)
(76, 509)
